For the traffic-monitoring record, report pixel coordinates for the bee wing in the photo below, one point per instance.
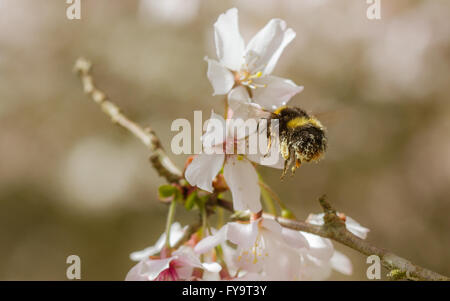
(333, 116)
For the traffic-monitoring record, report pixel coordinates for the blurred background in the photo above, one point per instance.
(73, 183)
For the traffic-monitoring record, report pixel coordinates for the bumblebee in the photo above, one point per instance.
(302, 137)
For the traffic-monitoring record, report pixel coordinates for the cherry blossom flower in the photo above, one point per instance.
(176, 233)
(264, 248)
(250, 66)
(224, 144)
(181, 265)
(351, 225)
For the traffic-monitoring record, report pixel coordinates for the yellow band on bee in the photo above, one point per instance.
(301, 121)
(277, 111)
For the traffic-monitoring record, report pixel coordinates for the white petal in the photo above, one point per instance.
(215, 134)
(252, 277)
(220, 77)
(341, 263)
(283, 263)
(134, 274)
(148, 269)
(354, 227)
(319, 247)
(276, 93)
(212, 267)
(187, 255)
(243, 235)
(294, 238)
(203, 169)
(152, 250)
(212, 241)
(265, 48)
(272, 226)
(316, 219)
(229, 42)
(314, 269)
(239, 102)
(242, 179)
(187, 260)
(176, 233)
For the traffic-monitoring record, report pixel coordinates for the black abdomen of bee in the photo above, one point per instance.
(308, 142)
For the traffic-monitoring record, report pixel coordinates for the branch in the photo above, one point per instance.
(158, 157)
(333, 228)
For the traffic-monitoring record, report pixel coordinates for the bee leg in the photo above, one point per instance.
(269, 145)
(298, 162)
(269, 137)
(287, 163)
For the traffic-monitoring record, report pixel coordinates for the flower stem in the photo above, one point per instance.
(169, 222)
(220, 217)
(226, 108)
(268, 201)
(285, 212)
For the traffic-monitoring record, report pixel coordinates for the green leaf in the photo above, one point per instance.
(167, 192)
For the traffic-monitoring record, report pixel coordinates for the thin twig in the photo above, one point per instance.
(159, 159)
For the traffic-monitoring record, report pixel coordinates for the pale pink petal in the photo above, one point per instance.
(237, 130)
(229, 42)
(203, 169)
(252, 277)
(186, 261)
(215, 134)
(184, 269)
(274, 160)
(314, 269)
(272, 226)
(242, 179)
(316, 219)
(354, 227)
(147, 270)
(264, 50)
(294, 238)
(220, 77)
(283, 264)
(212, 241)
(276, 92)
(239, 102)
(319, 247)
(212, 267)
(341, 263)
(243, 234)
(152, 250)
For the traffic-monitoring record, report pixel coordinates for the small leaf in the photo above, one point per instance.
(167, 192)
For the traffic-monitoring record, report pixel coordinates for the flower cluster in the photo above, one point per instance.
(260, 248)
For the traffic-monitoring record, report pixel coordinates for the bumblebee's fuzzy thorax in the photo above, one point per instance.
(302, 137)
